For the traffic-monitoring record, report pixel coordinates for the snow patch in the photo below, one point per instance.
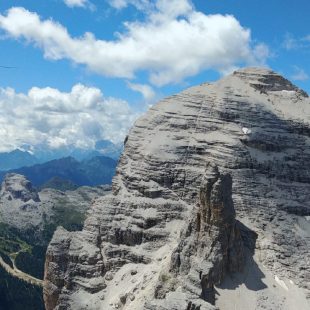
(281, 282)
(246, 131)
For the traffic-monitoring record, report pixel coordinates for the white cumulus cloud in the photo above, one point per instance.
(174, 41)
(50, 117)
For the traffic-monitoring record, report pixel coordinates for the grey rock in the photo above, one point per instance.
(16, 186)
(161, 178)
(211, 246)
(24, 207)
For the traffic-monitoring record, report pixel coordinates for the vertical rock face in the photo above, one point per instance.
(57, 265)
(168, 232)
(211, 245)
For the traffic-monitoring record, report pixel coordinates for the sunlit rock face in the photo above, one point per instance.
(212, 181)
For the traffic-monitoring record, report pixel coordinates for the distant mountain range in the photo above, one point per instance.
(60, 184)
(31, 155)
(69, 172)
(16, 159)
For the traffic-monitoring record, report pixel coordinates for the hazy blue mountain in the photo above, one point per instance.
(107, 148)
(94, 171)
(60, 184)
(16, 159)
(102, 148)
(81, 154)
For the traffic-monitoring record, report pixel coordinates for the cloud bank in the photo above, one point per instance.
(58, 119)
(174, 42)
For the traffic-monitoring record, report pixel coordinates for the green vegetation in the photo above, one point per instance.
(6, 259)
(11, 243)
(69, 218)
(32, 263)
(9, 246)
(24, 249)
(27, 250)
(16, 294)
(59, 184)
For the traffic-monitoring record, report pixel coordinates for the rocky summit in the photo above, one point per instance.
(19, 202)
(209, 210)
(25, 208)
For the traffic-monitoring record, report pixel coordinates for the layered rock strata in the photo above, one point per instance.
(211, 245)
(254, 126)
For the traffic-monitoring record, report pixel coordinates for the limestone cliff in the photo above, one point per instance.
(211, 246)
(213, 185)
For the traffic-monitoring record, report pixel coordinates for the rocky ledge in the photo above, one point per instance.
(210, 207)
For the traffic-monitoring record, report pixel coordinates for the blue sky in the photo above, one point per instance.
(135, 52)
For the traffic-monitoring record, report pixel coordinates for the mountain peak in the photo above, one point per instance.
(168, 233)
(16, 186)
(255, 71)
(265, 80)
(15, 159)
